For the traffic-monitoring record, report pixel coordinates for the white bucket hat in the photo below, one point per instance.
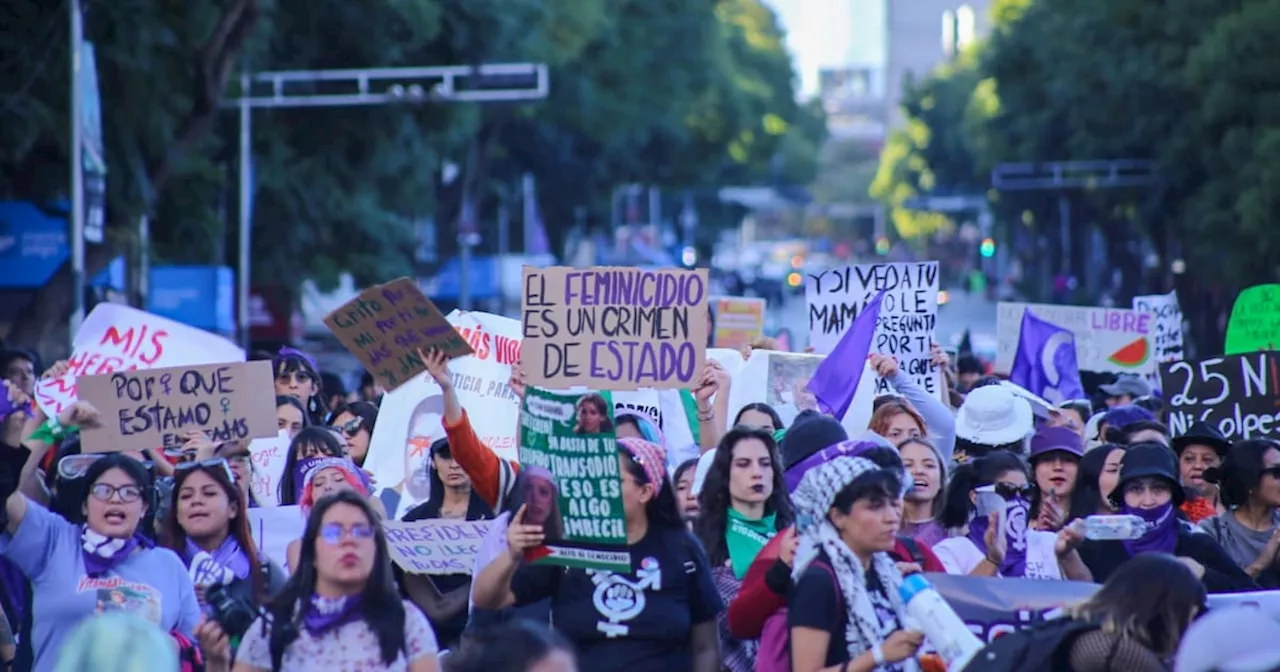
(991, 415)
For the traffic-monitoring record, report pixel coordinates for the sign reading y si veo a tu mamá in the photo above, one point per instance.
(1238, 394)
(155, 408)
(435, 546)
(385, 327)
(612, 328)
(1107, 339)
(573, 483)
(908, 314)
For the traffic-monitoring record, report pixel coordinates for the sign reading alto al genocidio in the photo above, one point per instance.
(385, 327)
(908, 313)
(587, 482)
(614, 328)
(155, 408)
(1238, 394)
(435, 546)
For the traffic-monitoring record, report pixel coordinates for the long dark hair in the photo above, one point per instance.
(511, 646)
(366, 411)
(316, 406)
(137, 472)
(1241, 470)
(761, 407)
(1151, 599)
(173, 537)
(714, 501)
(661, 510)
(381, 609)
(320, 438)
(970, 475)
(477, 508)
(1086, 496)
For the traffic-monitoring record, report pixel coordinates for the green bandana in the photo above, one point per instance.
(744, 539)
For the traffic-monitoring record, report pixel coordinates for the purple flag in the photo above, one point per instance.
(1045, 363)
(836, 379)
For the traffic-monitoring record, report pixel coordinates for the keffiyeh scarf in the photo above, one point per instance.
(812, 500)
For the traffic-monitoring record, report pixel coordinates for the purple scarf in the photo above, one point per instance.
(102, 554)
(326, 613)
(1163, 535)
(229, 556)
(1015, 536)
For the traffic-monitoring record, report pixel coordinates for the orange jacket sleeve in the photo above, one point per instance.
(491, 476)
(755, 601)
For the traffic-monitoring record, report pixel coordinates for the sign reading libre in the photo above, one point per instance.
(614, 328)
(155, 408)
(574, 485)
(385, 327)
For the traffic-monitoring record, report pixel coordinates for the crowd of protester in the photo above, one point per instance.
(777, 548)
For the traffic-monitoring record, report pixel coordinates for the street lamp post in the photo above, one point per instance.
(492, 83)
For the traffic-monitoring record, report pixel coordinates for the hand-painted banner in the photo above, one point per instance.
(115, 337)
(435, 546)
(739, 320)
(1238, 394)
(1107, 339)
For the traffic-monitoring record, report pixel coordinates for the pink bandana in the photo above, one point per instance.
(651, 457)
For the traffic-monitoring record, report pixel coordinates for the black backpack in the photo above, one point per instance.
(1041, 648)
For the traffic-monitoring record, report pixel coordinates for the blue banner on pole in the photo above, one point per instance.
(33, 243)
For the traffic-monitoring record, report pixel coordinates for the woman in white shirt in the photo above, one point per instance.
(985, 511)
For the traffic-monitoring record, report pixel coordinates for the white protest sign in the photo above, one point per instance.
(779, 379)
(274, 528)
(908, 314)
(1168, 339)
(435, 546)
(115, 337)
(268, 457)
(409, 418)
(1107, 339)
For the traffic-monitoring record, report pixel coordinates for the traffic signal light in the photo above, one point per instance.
(882, 246)
(988, 247)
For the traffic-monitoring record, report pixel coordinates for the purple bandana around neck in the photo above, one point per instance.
(102, 554)
(1015, 536)
(229, 555)
(324, 614)
(1161, 538)
(847, 448)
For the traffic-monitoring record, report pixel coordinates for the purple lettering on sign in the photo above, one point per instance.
(1124, 321)
(622, 287)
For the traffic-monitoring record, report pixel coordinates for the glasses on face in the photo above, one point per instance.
(1273, 472)
(239, 459)
(334, 533)
(300, 377)
(104, 492)
(211, 463)
(1008, 491)
(351, 427)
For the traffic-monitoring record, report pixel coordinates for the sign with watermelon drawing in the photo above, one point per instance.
(1238, 394)
(1107, 339)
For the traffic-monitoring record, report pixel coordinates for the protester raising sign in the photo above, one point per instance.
(435, 546)
(739, 320)
(1238, 394)
(1107, 339)
(115, 337)
(908, 313)
(156, 408)
(573, 480)
(614, 328)
(1255, 320)
(386, 326)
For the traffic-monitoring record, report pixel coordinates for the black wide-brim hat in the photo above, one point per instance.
(1149, 460)
(1202, 434)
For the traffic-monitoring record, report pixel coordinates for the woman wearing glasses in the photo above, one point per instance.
(105, 565)
(322, 477)
(1249, 482)
(355, 421)
(986, 510)
(208, 528)
(341, 609)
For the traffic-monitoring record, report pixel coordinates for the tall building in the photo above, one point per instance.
(853, 98)
(921, 35)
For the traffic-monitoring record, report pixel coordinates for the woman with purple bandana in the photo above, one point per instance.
(1148, 488)
(79, 571)
(319, 477)
(341, 610)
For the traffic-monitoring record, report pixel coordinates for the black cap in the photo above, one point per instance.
(1149, 460)
(809, 435)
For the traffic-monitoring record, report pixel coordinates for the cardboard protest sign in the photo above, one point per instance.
(614, 328)
(435, 546)
(1107, 339)
(1238, 394)
(115, 337)
(409, 417)
(274, 528)
(908, 314)
(1255, 320)
(739, 320)
(570, 460)
(155, 408)
(385, 327)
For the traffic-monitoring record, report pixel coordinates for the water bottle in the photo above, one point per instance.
(931, 614)
(1115, 527)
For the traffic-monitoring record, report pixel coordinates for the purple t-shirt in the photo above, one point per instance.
(152, 584)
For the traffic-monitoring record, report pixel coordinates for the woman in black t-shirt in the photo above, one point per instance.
(844, 610)
(658, 617)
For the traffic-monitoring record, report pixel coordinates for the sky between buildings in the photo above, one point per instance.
(828, 33)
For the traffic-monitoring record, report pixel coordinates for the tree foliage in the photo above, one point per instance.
(1188, 85)
(684, 95)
